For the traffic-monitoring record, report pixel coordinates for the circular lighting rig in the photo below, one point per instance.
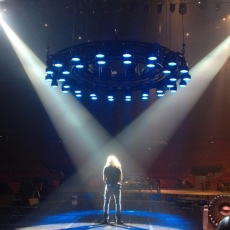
(117, 66)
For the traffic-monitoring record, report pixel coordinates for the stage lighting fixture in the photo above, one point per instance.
(49, 78)
(166, 70)
(127, 56)
(172, 77)
(102, 61)
(128, 95)
(159, 8)
(145, 94)
(184, 67)
(93, 95)
(57, 63)
(172, 61)
(172, 7)
(66, 84)
(127, 61)
(186, 77)
(61, 78)
(78, 92)
(100, 55)
(65, 70)
(160, 94)
(64, 90)
(75, 58)
(114, 64)
(170, 84)
(110, 96)
(182, 8)
(173, 89)
(183, 83)
(54, 83)
(49, 70)
(79, 65)
(160, 89)
(150, 64)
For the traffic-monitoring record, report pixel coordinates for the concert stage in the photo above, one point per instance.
(83, 210)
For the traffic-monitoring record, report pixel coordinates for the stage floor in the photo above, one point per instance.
(58, 212)
(162, 217)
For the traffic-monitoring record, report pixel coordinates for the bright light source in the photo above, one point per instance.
(152, 123)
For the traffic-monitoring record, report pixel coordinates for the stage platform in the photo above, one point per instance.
(81, 208)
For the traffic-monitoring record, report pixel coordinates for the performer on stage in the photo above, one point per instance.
(112, 176)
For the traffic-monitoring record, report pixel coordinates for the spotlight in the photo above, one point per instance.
(173, 89)
(66, 84)
(160, 90)
(172, 77)
(152, 57)
(101, 61)
(93, 95)
(58, 63)
(61, 78)
(159, 8)
(184, 67)
(127, 54)
(183, 83)
(160, 94)
(75, 58)
(186, 77)
(49, 78)
(182, 8)
(128, 95)
(218, 6)
(49, 70)
(166, 70)
(65, 70)
(172, 61)
(79, 65)
(100, 56)
(110, 96)
(150, 64)
(54, 83)
(172, 7)
(64, 90)
(170, 84)
(145, 94)
(127, 58)
(78, 92)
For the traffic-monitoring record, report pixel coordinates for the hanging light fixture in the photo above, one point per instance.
(83, 66)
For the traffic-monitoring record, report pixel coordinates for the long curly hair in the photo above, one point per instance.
(113, 161)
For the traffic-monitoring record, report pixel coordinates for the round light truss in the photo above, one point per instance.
(117, 66)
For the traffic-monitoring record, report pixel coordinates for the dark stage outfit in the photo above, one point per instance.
(113, 187)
